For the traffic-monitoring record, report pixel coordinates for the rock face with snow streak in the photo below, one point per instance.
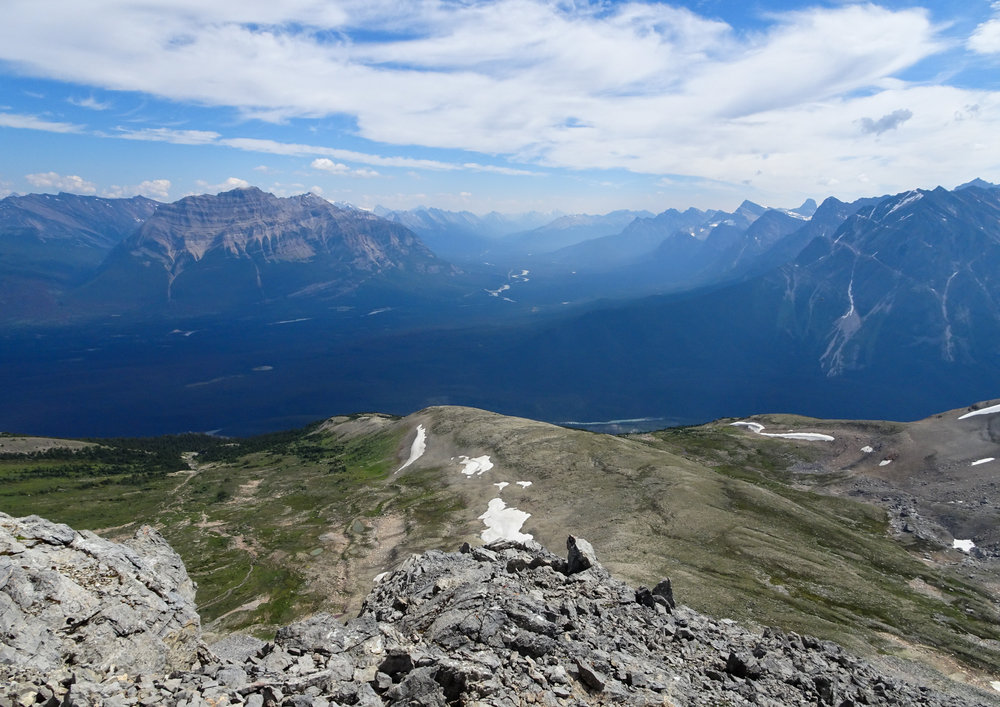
(73, 598)
(505, 624)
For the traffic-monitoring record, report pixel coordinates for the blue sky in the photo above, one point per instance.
(511, 105)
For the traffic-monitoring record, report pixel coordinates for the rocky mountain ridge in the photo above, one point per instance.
(922, 264)
(52, 242)
(246, 245)
(505, 624)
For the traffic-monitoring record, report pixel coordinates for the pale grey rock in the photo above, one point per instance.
(74, 598)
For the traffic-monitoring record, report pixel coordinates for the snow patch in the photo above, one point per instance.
(417, 449)
(867, 449)
(985, 411)
(379, 577)
(501, 485)
(963, 545)
(913, 196)
(475, 466)
(758, 428)
(496, 292)
(995, 684)
(885, 462)
(504, 523)
(983, 461)
(524, 484)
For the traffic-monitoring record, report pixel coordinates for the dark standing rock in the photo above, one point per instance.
(665, 591)
(581, 555)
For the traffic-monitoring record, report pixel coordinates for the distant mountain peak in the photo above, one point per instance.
(978, 183)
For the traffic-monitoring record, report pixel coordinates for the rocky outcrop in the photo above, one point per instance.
(72, 598)
(505, 624)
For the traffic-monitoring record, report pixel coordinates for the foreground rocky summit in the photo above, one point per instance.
(505, 624)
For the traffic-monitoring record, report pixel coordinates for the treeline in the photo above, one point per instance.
(143, 457)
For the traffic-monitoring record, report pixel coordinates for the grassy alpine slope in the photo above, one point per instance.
(279, 526)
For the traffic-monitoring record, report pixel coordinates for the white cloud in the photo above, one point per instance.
(177, 137)
(632, 85)
(324, 164)
(986, 38)
(158, 189)
(30, 122)
(89, 102)
(228, 185)
(889, 121)
(69, 183)
(327, 165)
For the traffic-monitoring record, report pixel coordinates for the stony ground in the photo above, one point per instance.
(505, 624)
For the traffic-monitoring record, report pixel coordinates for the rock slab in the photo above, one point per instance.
(72, 598)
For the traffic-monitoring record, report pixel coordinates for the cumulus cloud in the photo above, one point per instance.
(158, 189)
(69, 183)
(327, 165)
(985, 39)
(324, 164)
(890, 121)
(228, 185)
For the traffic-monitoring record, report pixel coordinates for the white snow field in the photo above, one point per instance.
(501, 485)
(417, 449)
(523, 484)
(475, 466)
(867, 449)
(983, 461)
(504, 523)
(963, 545)
(885, 462)
(985, 411)
(758, 428)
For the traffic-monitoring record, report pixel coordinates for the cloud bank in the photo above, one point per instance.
(638, 86)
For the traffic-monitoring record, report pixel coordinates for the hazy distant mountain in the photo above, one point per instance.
(893, 314)
(210, 253)
(977, 182)
(51, 242)
(806, 210)
(641, 237)
(463, 235)
(568, 230)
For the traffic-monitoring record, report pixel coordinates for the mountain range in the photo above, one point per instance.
(682, 316)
